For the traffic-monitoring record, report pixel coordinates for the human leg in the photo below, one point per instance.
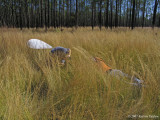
(119, 74)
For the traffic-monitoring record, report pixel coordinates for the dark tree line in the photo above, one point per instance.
(68, 13)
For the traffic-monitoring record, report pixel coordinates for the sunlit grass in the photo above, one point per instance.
(33, 86)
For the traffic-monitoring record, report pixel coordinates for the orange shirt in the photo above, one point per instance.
(102, 64)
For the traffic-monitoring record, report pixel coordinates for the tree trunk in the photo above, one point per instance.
(67, 18)
(63, 20)
(41, 13)
(45, 16)
(100, 15)
(135, 18)
(60, 13)
(95, 13)
(111, 13)
(51, 14)
(20, 14)
(70, 13)
(48, 22)
(146, 17)
(85, 12)
(116, 16)
(12, 17)
(124, 18)
(138, 12)
(36, 15)
(133, 14)
(76, 14)
(154, 13)
(130, 17)
(144, 5)
(32, 17)
(107, 5)
(127, 15)
(54, 14)
(120, 13)
(92, 15)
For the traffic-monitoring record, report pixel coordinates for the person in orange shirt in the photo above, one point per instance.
(100, 62)
(117, 73)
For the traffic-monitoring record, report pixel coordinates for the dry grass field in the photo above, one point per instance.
(34, 87)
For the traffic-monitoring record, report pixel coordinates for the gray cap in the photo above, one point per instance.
(62, 49)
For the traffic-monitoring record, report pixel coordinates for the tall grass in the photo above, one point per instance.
(33, 86)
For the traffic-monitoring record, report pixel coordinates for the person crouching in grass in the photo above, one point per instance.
(61, 54)
(117, 73)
